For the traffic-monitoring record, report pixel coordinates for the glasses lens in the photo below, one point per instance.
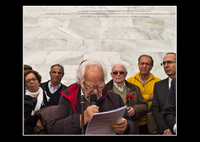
(121, 72)
(88, 87)
(29, 80)
(115, 73)
(168, 62)
(91, 88)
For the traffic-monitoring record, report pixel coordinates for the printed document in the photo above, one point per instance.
(100, 123)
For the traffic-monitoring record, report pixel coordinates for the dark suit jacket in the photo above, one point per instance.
(161, 91)
(169, 110)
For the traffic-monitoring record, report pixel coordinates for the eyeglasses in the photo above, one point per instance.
(168, 62)
(29, 80)
(91, 88)
(120, 72)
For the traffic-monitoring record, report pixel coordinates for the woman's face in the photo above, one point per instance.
(31, 83)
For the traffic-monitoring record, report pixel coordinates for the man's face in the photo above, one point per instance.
(118, 73)
(93, 77)
(56, 74)
(145, 65)
(170, 68)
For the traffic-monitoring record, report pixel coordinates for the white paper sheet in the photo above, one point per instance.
(100, 123)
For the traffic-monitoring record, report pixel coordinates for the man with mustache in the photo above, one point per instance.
(145, 80)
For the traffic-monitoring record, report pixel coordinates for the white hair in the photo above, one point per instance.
(81, 70)
(119, 64)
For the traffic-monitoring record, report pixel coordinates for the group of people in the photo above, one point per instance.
(53, 108)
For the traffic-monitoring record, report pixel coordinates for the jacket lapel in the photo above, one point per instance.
(166, 87)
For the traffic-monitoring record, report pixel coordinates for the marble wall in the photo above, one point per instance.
(110, 34)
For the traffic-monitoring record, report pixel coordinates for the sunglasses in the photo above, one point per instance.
(120, 72)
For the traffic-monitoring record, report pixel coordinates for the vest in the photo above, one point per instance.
(122, 94)
(55, 94)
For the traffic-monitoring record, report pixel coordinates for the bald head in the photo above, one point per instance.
(93, 73)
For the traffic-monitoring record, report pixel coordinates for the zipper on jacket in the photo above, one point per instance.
(144, 84)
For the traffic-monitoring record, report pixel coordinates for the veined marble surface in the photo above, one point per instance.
(109, 34)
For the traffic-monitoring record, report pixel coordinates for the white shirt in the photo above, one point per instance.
(119, 87)
(51, 87)
(169, 81)
(174, 127)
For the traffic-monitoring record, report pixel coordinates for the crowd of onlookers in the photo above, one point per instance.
(53, 108)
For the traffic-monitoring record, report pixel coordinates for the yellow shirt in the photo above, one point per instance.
(146, 90)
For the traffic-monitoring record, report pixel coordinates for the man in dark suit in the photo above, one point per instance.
(169, 110)
(161, 91)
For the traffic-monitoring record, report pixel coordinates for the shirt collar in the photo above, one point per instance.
(119, 87)
(169, 81)
(144, 81)
(51, 87)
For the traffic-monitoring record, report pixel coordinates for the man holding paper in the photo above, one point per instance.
(90, 80)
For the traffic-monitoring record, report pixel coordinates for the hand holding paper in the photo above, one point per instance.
(109, 122)
(120, 126)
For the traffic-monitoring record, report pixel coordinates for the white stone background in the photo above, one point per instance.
(109, 34)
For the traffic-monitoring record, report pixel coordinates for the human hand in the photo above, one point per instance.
(88, 113)
(38, 127)
(120, 126)
(167, 132)
(131, 111)
(150, 97)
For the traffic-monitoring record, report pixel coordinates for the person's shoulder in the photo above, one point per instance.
(160, 82)
(64, 86)
(132, 86)
(156, 79)
(43, 85)
(130, 79)
(113, 94)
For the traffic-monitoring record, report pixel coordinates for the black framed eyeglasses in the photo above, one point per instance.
(29, 80)
(168, 62)
(91, 88)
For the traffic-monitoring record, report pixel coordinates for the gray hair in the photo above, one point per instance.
(58, 66)
(144, 55)
(81, 70)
